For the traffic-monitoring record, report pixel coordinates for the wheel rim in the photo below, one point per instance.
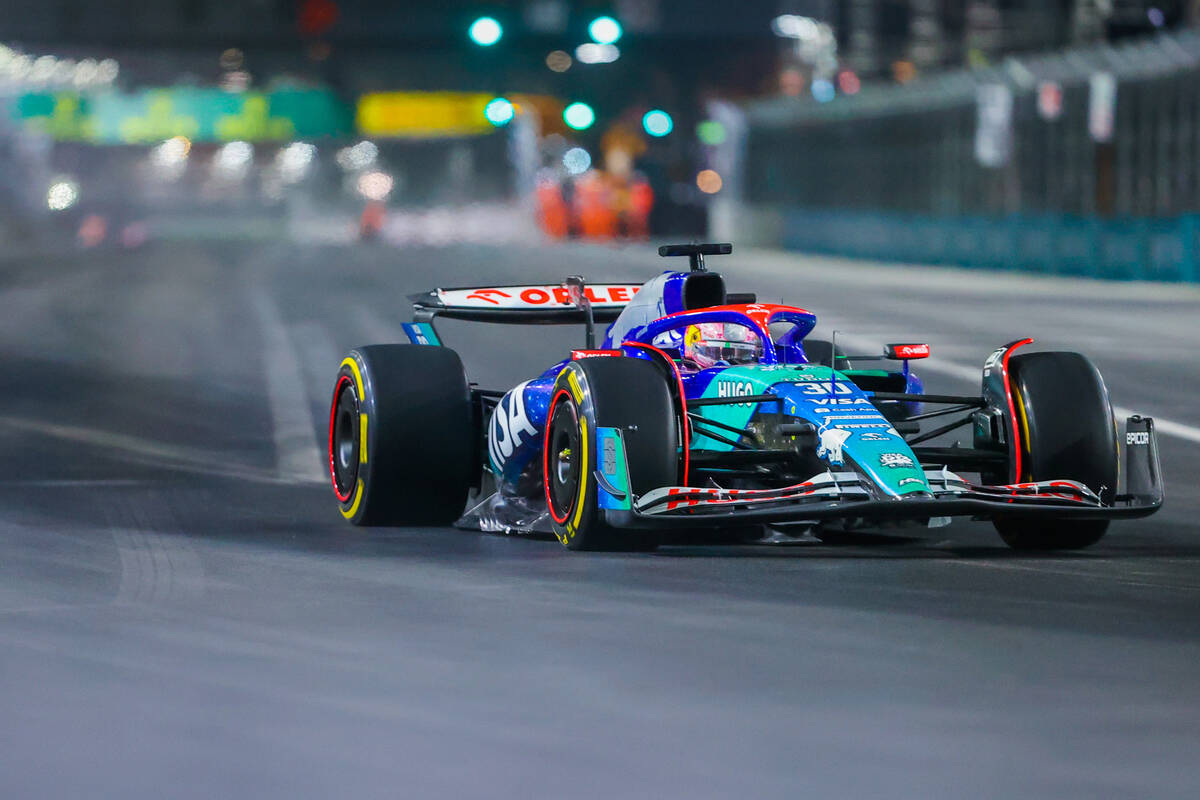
(344, 439)
(561, 459)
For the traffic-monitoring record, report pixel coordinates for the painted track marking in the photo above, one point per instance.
(298, 455)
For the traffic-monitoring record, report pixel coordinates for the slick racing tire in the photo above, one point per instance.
(1067, 431)
(402, 438)
(621, 392)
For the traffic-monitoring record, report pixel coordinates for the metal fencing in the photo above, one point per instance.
(1073, 160)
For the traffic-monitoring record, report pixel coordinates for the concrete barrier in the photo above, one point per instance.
(1157, 249)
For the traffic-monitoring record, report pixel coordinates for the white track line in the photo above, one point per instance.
(297, 454)
(963, 372)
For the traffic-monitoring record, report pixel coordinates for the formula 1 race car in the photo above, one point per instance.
(703, 410)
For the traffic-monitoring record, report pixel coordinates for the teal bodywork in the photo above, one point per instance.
(851, 429)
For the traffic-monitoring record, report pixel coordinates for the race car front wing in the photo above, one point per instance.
(840, 495)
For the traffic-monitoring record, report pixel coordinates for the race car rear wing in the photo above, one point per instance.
(571, 302)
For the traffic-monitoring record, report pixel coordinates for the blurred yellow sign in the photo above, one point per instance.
(423, 114)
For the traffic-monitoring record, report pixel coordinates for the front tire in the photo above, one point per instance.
(1066, 421)
(618, 392)
(402, 438)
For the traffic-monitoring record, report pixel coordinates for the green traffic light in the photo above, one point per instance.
(579, 116)
(657, 123)
(499, 111)
(604, 30)
(485, 31)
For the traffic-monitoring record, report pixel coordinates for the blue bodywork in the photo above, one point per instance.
(849, 424)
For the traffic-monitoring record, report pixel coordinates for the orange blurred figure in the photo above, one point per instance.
(553, 216)
(594, 207)
(641, 202)
(93, 230)
(370, 224)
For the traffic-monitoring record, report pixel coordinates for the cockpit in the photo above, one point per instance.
(732, 336)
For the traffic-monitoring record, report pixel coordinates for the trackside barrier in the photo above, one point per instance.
(1155, 249)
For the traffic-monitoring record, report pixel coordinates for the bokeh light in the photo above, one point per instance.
(592, 53)
(604, 30)
(375, 185)
(709, 181)
(485, 31)
(711, 132)
(499, 111)
(559, 61)
(576, 161)
(62, 194)
(657, 122)
(822, 90)
(579, 116)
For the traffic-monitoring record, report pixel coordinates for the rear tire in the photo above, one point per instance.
(402, 438)
(1066, 418)
(626, 393)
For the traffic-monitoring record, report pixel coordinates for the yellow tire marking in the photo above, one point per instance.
(1024, 430)
(583, 470)
(350, 362)
(362, 437)
(348, 513)
(575, 388)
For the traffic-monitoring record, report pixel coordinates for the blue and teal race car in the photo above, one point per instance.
(703, 410)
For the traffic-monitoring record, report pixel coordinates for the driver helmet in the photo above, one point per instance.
(712, 344)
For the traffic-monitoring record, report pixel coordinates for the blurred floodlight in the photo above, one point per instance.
(295, 161)
(107, 70)
(711, 132)
(171, 152)
(85, 73)
(823, 90)
(657, 122)
(709, 181)
(591, 53)
(232, 160)
(62, 194)
(360, 156)
(793, 26)
(64, 71)
(576, 161)
(1156, 17)
(375, 185)
(19, 67)
(499, 111)
(579, 116)
(485, 31)
(604, 30)
(43, 69)
(559, 61)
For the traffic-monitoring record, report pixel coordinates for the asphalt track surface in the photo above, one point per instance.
(183, 612)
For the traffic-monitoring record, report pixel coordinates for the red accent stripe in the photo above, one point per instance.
(337, 393)
(687, 438)
(1012, 411)
(546, 459)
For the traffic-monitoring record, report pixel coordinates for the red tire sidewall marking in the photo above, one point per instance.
(546, 458)
(337, 395)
